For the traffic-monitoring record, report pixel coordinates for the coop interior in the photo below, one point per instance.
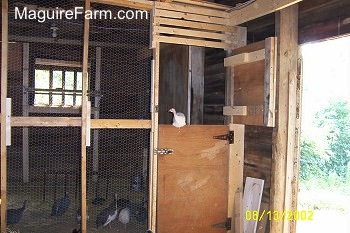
(45, 80)
(134, 76)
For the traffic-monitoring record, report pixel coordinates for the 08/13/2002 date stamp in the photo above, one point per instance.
(290, 215)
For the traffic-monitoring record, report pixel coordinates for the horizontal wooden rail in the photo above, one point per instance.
(76, 122)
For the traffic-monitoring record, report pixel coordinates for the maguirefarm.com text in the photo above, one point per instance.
(56, 14)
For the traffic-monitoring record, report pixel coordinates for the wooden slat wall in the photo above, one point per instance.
(192, 25)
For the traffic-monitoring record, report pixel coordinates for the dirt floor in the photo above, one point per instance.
(37, 219)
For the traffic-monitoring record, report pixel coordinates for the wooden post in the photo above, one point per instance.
(283, 141)
(84, 118)
(235, 179)
(25, 137)
(4, 68)
(154, 139)
(196, 67)
(96, 113)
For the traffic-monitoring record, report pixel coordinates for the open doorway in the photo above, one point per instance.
(325, 138)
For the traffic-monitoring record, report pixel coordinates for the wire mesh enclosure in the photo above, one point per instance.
(45, 80)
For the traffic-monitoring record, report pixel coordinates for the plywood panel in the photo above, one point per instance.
(192, 183)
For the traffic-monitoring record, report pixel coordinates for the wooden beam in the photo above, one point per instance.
(196, 25)
(25, 136)
(235, 110)
(120, 124)
(84, 113)
(191, 33)
(259, 8)
(235, 179)
(51, 62)
(4, 70)
(200, 10)
(193, 42)
(204, 4)
(95, 148)
(283, 146)
(134, 4)
(270, 81)
(244, 58)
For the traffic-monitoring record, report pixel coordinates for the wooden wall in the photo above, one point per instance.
(173, 81)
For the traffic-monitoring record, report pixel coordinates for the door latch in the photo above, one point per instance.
(163, 151)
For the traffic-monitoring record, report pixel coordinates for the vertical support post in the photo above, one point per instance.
(8, 121)
(95, 149)
(154, 139)
(4, 69)
(196, 67)
(283, 147)
(189, 87)
(235, 179)
(25, 137)
(84, 118)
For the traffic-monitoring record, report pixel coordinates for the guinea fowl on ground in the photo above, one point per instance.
(15, 215)
(179, 119)
(139, 211)
(108, 214)
(124, 216)
(60, 206)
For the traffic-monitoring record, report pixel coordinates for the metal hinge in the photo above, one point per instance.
(226, 224)
(163, 151)
(228, 137)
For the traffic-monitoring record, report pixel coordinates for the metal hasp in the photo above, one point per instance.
(228, 137)
(226, 224)
(163, 151)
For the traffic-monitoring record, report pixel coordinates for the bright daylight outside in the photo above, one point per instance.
(325, 142)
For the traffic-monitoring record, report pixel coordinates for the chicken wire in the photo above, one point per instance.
(46, 168)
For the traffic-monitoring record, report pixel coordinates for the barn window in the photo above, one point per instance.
(57, 84)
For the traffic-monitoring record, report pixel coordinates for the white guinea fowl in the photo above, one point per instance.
(179, 119)
(124, 216)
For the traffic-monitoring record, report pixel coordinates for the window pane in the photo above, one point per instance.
(57, 79)
(69, 80)
(78, 101)
(68, 100)
(79, 81)
(57, 100)
(42, 79)
(41, 99)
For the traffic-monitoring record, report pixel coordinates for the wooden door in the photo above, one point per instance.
(193, 181)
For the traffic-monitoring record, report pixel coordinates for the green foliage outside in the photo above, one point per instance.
(332, 166)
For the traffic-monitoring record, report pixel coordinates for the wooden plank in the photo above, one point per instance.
(84, 112)
(244, 58)
(88, 123)
(196, 25)
(95, 149)
(235, 110)
(253, 191)
(192, 9)
(8, 121)
(134, 4)
(190, 16)
(235, 178)
(197, 84)
(36, 109)
(52, 62)
(25, 103)
(261, 228)
(250, 48)
(270, 81)
(259, 8)
(120, 123)
(4, 70)
(191, 33)
(154, 138)
(193, 42)
(284, 132)
(204, 4)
